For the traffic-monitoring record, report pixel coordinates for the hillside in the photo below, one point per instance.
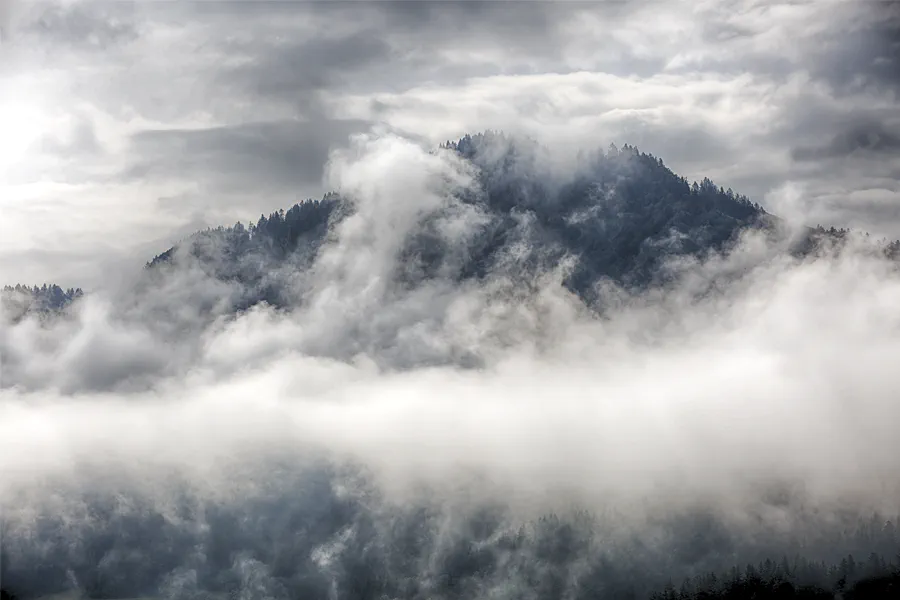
(622, 215)
(20, 300)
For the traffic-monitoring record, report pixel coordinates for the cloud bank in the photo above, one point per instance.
(744, 403)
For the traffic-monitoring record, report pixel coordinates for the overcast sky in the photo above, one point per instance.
(124, 126)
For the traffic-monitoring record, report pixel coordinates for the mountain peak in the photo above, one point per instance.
(621, 215)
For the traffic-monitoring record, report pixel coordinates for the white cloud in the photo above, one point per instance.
(699, 395)
(667, 402)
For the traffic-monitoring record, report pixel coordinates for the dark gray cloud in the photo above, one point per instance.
(250, 157)
(391, 47)
(293, 71)
(530, 26)
(870, 138)
(865, 54)
(79, 25)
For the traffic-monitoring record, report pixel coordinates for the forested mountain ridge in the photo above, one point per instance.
(249, 255)
(876, 578)
(622, 216)
(19, 300)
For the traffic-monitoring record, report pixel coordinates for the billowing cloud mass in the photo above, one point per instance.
(740, 401)
(384, 433)
(128, 125)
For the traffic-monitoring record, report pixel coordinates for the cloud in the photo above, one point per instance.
(79, 25)
(866, 55)
(5, 18)
(739, 92)
(289, 69)
(169, 446)
(261, 157)
(222, 437)
(862, 138)
(552, 372)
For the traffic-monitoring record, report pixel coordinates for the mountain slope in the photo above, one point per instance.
(619, 215)
(622, 216)
(20, 300)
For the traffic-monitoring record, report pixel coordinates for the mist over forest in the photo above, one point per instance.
(483, 340)
(465, 370)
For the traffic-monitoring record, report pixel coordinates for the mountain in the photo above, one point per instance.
(620, 215)
(20, 300)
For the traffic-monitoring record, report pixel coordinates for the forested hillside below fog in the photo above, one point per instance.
(314, 542)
